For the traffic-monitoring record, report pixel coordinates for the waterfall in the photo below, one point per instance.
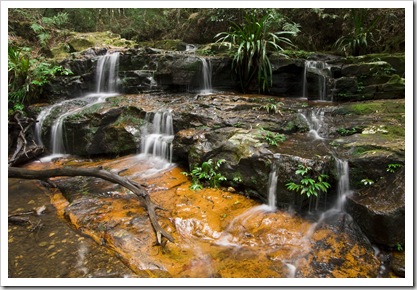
(107, 73)
(106, 85)
(157, 136)
(314, 119)
(207, 73)
(343, 185)
(322, 70)
(272, 187)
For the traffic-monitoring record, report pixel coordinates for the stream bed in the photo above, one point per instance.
(92, 228)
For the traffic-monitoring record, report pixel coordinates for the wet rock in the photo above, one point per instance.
(354, 257)
(398, 263)
(379, 209)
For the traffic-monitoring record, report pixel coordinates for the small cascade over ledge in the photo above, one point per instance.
(272, 186)
(107, 73)
(323, 73)
(106, 86)
(207, 72)
(157, 136)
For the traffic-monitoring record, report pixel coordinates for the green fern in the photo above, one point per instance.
(309, 185)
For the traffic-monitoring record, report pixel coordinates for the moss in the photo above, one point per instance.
(396, 79)
(128, 119)
(167, 44)
(366, 108)
(298, 53)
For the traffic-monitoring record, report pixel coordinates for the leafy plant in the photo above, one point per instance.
(367, 181)
(393, 167)
(357, 40)
(309, 184)
(207, 173)
(273, 107)
(28, 76)
(272, 138)
(251, 43)
(347, 131)
(399, 247)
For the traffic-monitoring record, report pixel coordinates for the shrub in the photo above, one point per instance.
(309, 185)
(251, 44)
(206, 174)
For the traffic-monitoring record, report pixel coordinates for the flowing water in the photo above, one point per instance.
(315, 122)
(156, 144)
(106, 86)
(322, 71)
(217, 233)
(206, 76)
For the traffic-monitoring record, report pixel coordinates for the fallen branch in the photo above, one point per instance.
(24, 152)
(134, 187)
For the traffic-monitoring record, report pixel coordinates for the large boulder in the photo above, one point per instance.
(380, 210)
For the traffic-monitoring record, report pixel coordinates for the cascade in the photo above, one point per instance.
(272, 187)
(314, 119)
(107, 73)
(207, 73)
(106, 84)
(343, 185)
(322, 70)
(190, 48)
(158, 136)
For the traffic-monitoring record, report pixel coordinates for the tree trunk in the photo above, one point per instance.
(134, 187)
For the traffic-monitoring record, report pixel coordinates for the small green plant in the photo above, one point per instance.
(399, 247)
(272, 138)
(207, 173)
(347, 131)
(393, 167)
(367, 181)
(273, 107)
(309, 185)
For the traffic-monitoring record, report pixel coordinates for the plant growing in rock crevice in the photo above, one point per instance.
(206, 174)
(309, 184)
(272, 138)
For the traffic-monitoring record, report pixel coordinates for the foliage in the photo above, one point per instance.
(272, 138)
(309, 185)
(348, 131)
(356, 42)
(207, 173)
(272, 107)
(367, 181)
(393, 167)
(399, 247)
(27, 76)
(251, 44)
(47, 25)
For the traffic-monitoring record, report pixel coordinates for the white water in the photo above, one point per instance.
(322, 70)
(207, 74)
(343, 185)
(314, 119)
(106, 85)
(272, 187)
(157, 136)
(107, 73)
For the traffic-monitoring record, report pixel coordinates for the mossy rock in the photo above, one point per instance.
(218, 49)
(168, 44)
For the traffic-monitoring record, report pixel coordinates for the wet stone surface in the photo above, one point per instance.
(46, 246)
(217, 234)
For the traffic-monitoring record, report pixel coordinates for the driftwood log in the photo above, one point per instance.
(134, 187)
